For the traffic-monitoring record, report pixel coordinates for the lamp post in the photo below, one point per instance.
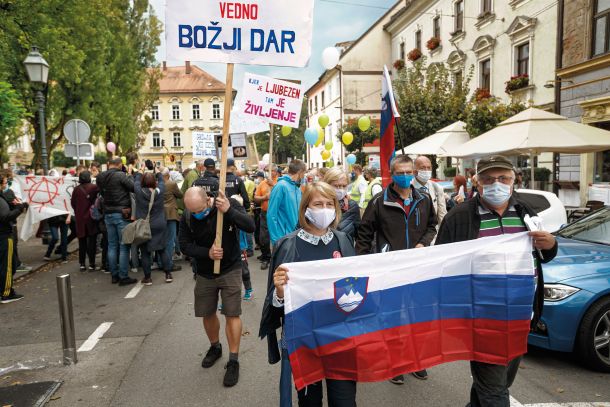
(38, 73)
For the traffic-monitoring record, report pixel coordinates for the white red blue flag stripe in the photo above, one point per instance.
(371, 318)
(389, 114)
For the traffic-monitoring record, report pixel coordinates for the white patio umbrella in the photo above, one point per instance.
(443, 142)
(534, 131)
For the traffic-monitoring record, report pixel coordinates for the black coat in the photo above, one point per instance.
(464, 222)
(285, 251)
(115, 187)
(350, 220)
(8, 216)
(158, 224)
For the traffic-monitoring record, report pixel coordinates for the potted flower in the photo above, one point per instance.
(399, 64)
(414, 54)
(517, 82)
(481, 94)
(433, 43)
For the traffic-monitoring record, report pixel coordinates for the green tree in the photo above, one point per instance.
(483, 115)
(12, 114)
(360, 138)
(59, 159)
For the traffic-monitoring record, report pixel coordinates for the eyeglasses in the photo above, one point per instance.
(487, 180)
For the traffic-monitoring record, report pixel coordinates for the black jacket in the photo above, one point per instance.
(197, 236)
(8, 216)
(115, 187)
(384, 222)
(285, 251)
(350, 220)
(464, 222)
(236, 186)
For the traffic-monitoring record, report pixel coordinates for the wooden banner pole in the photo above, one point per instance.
(271, 153)
(223, 156)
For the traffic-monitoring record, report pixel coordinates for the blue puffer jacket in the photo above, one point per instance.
(283, 212)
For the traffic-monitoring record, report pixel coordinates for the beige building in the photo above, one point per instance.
(190, 100)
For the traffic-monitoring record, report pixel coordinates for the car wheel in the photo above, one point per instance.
(593, 343)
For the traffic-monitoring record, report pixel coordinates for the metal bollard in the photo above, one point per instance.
(66, 316)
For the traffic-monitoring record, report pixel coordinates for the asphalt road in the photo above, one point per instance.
(151, 353)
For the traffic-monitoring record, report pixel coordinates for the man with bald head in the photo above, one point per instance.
(197, 235)
(423, 173)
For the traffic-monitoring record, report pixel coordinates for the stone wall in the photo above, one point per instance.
(576, 31)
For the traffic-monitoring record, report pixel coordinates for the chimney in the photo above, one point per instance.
(164, 66)
(188, 67)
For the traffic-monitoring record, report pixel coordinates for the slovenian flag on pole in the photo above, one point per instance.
(371, 318)
(389, 114)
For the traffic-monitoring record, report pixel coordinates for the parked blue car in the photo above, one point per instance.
(576, 315)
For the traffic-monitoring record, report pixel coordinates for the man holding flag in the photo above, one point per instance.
(389, 114)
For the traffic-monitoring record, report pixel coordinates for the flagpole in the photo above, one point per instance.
(402, 144)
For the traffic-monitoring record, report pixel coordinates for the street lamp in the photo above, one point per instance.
(38, 73)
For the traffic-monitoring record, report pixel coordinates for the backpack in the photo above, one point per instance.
(96, 211)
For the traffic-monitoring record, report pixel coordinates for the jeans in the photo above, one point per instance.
(176, 240)
(264, 239)
(147, 260)
(118, 253)
(56, 231)
(250, 239)
(172, 229)
(490, 383)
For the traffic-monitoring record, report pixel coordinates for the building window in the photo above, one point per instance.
(154, 112)
(316, 102)
(485, 76)
(310, 105)
(175, 112)
(601, 27)
(523, 59)
(458, 14)
(418, 39)
(216, 111)
(322, 97)
(177, 139)
(458, 78)
(436, 27)
(402, 51)
(196, 112)
(485, 6)
(156, 140)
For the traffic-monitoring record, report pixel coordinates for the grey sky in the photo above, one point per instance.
(334, 21)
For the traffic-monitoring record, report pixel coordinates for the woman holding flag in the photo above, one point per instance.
(316, 239)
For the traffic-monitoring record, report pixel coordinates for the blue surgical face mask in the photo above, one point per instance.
(403, 180)
(201, 215)
(496, 194)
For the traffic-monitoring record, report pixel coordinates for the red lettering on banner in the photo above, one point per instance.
(239, 11)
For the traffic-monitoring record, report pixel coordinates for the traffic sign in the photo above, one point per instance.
(77, 131)
(83, 151)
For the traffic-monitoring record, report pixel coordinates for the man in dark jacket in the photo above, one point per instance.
(235, 185)
(9, 212)
(208, 180)
(197, 235)
(400, 217)
(496, 210)
(115, 188)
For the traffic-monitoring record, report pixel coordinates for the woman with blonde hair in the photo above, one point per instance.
(337, 178)
(316, 239)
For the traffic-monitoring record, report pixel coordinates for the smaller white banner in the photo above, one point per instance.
(204, 144)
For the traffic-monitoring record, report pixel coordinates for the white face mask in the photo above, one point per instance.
(424, 176)
(341, 193)
(320, 218)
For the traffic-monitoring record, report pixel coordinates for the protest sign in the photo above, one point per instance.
(242, 123)
(204, 145)
(273, 32)
(272, 100)
(237, 147)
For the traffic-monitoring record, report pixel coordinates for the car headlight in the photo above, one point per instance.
(558, 292)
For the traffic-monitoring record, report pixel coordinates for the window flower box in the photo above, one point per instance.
(399, 64)
(414, 54)
(517, 82)
(433, 43)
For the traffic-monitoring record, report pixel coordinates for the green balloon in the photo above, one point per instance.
(328, 145)
(286, 130)
(364, 123)
(323, 120)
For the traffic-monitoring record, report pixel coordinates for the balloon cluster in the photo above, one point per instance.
(315, 136)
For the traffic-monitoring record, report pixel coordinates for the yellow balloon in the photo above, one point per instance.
(325, 155)
(347, 138)
(364, 123)
(286, 130)
(124, 160)
(320, 137)
(323, 120)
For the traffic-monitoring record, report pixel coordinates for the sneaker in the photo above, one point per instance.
(105, 270)
(147, 281)
(82, 267)
(127, 281)
(264, 265)
(248, 295)
(232, 373)
(213, 354)
(134, 270)
(115, 280)
(400, 379)
(168, 277)
(93, 268)
(47, 258)
(11, 298)
(421, 375)
(176, 268)
(23, 269)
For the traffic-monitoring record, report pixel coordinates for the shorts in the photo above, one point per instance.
(206, 294)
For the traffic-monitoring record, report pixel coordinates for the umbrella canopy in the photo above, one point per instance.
(443, 142)
(535, 131)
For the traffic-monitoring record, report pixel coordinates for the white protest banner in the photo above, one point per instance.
(272, 100)
(272, 32)
(204, 145)
(242, 123)
(47, 196)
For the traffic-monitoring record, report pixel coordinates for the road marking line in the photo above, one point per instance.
(95, 337)
(515, 403)
(134, 291)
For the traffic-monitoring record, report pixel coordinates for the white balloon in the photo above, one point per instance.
(330, 57)
(266, 158)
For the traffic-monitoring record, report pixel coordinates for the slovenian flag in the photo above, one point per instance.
(371, 318)
(389, 114)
